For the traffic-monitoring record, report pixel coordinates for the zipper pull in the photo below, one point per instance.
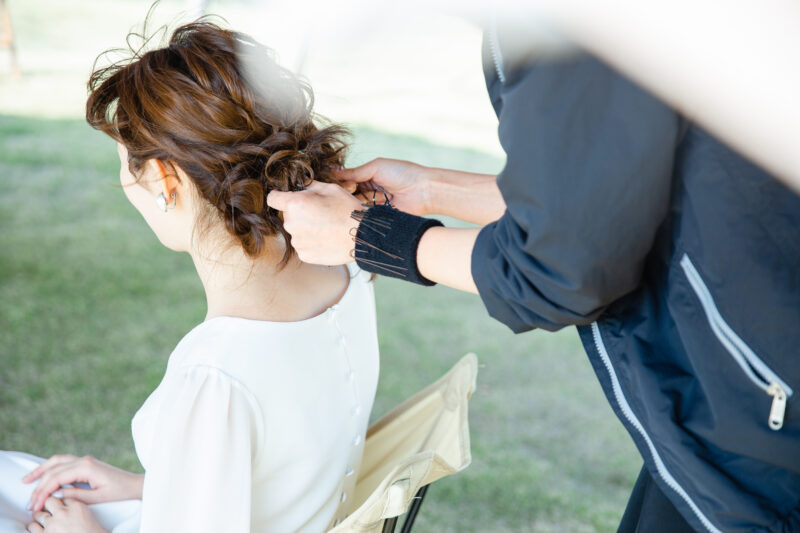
(778, 409)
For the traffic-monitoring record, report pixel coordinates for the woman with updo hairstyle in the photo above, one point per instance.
(259, 421)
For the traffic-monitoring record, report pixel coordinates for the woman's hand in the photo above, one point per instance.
(408, 184)
(107, 483)
(67, 516)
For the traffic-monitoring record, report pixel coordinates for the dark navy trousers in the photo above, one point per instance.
(649, 511)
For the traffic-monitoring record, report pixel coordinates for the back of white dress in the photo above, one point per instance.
(259, 426)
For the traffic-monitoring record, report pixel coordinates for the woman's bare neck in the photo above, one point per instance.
(236, 285)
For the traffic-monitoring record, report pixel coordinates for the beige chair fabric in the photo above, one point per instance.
(424, 439)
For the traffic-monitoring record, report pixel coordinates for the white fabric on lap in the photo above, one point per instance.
(14, 494)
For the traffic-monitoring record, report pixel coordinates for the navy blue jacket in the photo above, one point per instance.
(678, 260)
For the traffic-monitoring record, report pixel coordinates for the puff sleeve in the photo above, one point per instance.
(198, 476)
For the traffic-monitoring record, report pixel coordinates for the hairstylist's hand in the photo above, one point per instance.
(108, 482)
(318, 219)
(406, 182)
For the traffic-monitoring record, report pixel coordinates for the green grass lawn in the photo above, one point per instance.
(91, 306)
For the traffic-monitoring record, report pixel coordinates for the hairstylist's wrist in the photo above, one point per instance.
(464, 195)
(434, 189)
(445, 191)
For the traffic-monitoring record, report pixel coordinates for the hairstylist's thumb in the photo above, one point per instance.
(279, 199)
(365, 172)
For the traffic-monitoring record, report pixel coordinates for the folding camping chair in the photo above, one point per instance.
(422, 440)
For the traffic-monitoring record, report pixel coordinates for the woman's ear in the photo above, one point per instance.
(167, 181)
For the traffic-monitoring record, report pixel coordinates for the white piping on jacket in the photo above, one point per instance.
(631, 417)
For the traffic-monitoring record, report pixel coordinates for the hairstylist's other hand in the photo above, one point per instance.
(406, 182)
(108, 482)
(318, 219)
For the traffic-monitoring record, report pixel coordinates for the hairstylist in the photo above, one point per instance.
(678, 260)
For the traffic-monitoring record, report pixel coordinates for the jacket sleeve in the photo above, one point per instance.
(586, 185)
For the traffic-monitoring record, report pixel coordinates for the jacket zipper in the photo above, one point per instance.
(754, 368)
(494, 49)
(629, 415)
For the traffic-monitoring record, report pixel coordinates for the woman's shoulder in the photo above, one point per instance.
(231, 345)
(242, 346)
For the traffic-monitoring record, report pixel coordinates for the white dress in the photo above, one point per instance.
(256, 426)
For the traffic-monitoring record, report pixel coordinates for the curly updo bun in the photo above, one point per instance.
(215, 103)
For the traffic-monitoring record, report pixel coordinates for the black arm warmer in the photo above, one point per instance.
(387, 241)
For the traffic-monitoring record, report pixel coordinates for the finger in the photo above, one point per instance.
(350, 187)
(41, 517)
(327, 189)
(318, 186)
(87, 496)
(363, 173)
(53, 480)
(34, 527)
(278, 199)
(53, 505)
(45, 466)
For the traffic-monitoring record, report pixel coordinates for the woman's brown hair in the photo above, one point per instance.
(237, 136)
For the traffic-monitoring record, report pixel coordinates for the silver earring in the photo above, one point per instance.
(161, 201)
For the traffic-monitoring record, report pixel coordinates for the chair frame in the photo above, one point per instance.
(390, 524)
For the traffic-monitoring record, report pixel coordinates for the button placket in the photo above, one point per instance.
(356, 409)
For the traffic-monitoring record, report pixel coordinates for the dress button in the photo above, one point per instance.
(356, 410)
(357, 440)
(342, 341)
(349, 472)
(349, 375)
(344, 497)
